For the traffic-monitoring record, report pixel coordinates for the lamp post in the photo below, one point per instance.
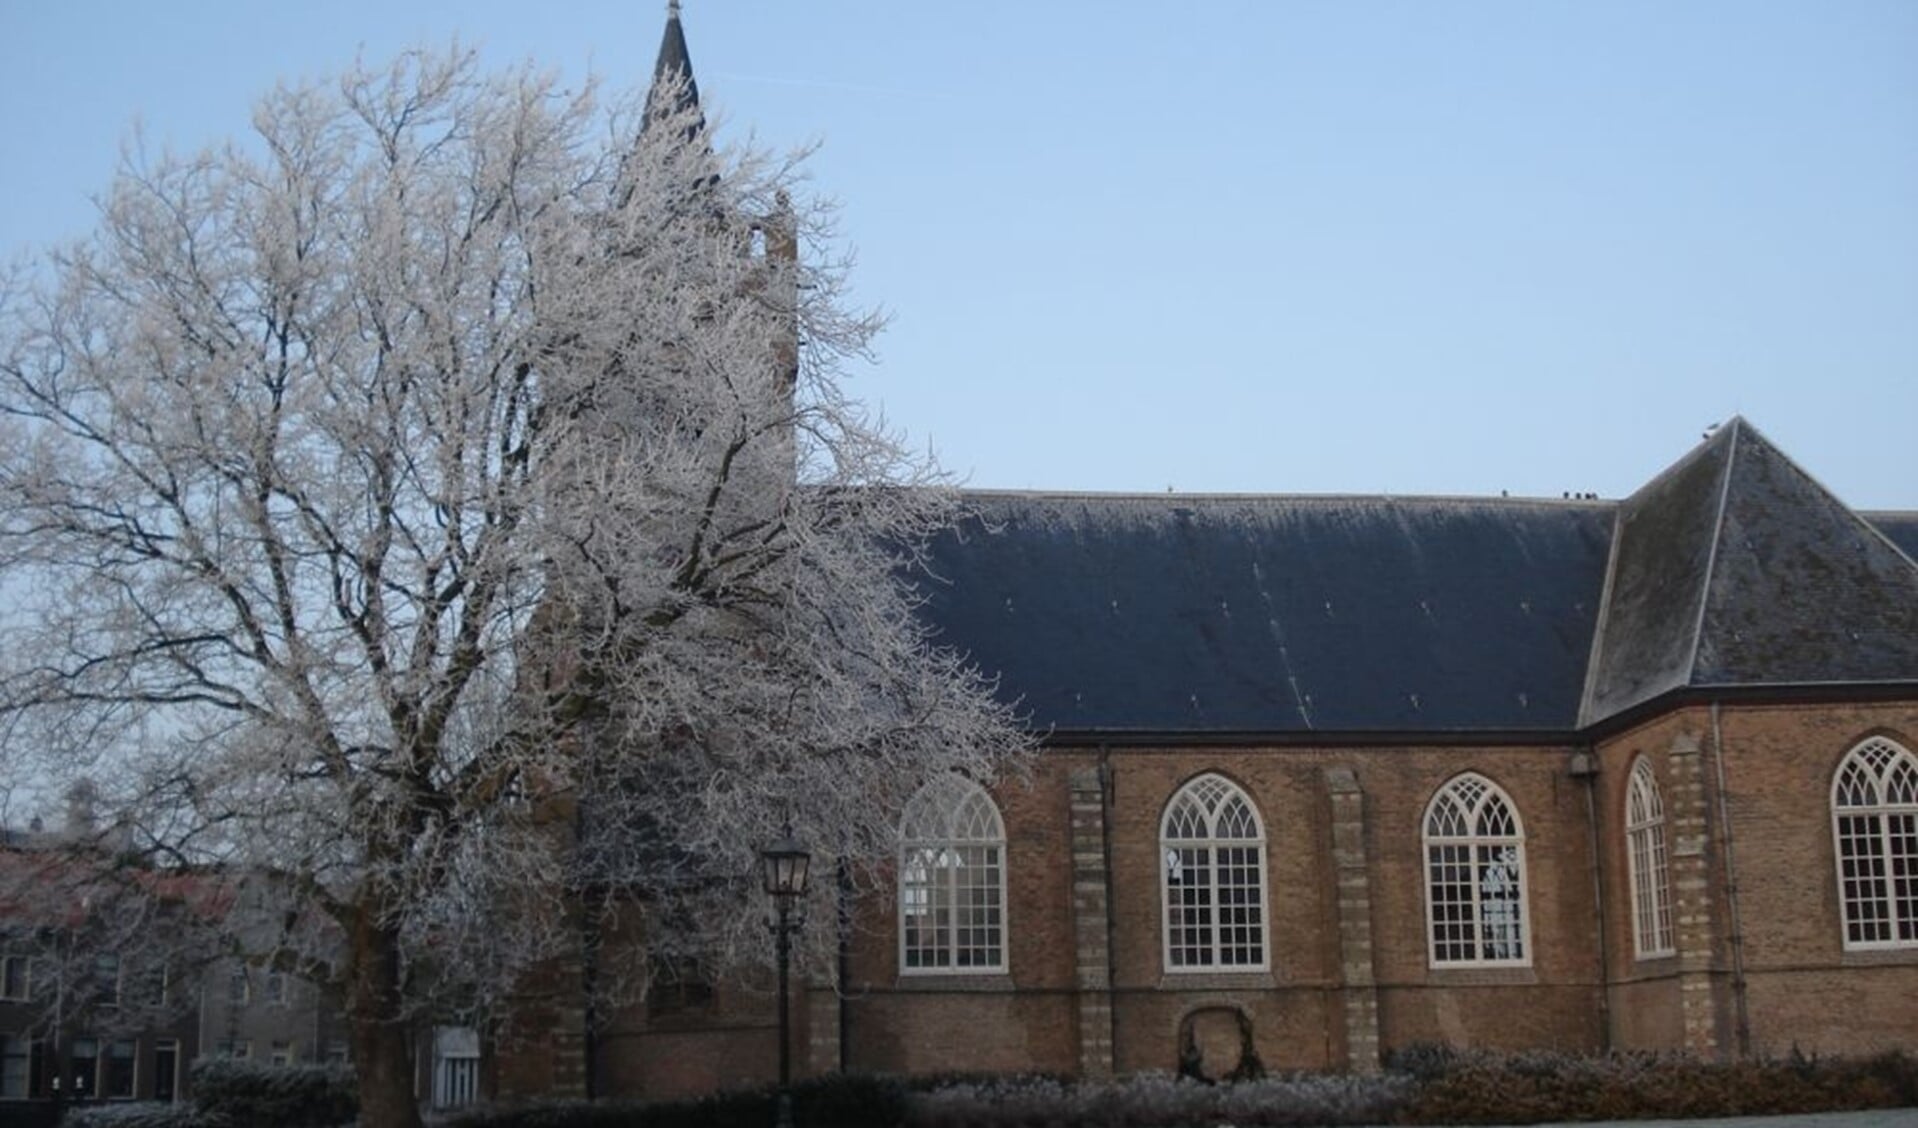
(783, 866)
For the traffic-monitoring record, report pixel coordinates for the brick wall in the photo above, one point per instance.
(1302, 1012)
(1759, 963)
(1762, 965)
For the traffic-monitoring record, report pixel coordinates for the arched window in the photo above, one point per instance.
(952, 880)
(1475, 875)
(1214, 850)
(1874, 820)
(1651, 872)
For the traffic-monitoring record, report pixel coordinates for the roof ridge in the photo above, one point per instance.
(1733, 428)
(1601, 617)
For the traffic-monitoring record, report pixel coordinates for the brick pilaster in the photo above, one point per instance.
(822, 1027)
(1689, 811)
(1091, 896)
(1359, 993)
(569, 1050)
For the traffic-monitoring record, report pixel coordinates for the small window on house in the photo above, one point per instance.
(1213, 845)
(238, 988)
(16, 982)
(276, 988)
(282, 1053)
(237, 1049)
(106, 979)
(83, 1067)
(117, 1075)
(456, 1059)
(336, 1052)
(1650, 871)
(157, 987)
(679, 985)
(166, 1070)
(16, 1066)
(1874, 822)
(1475, 876)
(952, 882)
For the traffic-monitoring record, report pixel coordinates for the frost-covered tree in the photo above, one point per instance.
(445, 502)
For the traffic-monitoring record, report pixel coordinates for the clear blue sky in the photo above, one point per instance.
(1342, 246)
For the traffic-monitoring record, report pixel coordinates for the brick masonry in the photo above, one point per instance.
(1760, 963)
(1091, 919)
(1360, 990)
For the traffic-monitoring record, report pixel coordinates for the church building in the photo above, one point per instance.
(1327, 776)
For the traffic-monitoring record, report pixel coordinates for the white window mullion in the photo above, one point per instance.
(1214, 898)
(1874, 813)
(952, 882)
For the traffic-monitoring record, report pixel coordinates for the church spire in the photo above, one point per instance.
(673, 92)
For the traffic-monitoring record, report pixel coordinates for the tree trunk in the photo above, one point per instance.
(382, 1057)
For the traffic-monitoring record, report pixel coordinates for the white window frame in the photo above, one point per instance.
(1654, 934)
(952, 830)
(1472, 796)
(132, 1057)
(86, 1083)
(107, 966)
(166, 1046)
(16, 1061)
(1876, 783)
(1202, 816)
(26, 977)
(456, 1058)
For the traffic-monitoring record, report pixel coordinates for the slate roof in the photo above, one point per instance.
(1161, 616)
(1735, 567)
(1181, 613)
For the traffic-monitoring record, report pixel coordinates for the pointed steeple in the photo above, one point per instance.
(674, 93)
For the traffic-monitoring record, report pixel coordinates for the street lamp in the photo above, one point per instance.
(783, 866)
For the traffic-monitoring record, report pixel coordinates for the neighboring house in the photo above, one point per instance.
(256, 1013)
(92, 1053)
(105, 991)
(1326, 777)
(97, 1005)
(91, 1006)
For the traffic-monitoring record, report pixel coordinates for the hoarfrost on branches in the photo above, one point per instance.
(448, 506)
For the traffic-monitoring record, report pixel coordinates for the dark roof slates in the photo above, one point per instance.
(1276, 614)
(1220, 615)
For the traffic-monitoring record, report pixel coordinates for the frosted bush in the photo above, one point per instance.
(1152, 1100)
(145, 1114)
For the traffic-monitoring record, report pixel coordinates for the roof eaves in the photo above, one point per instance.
(1343, 738)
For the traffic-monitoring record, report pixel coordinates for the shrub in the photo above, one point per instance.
(1152, 1100)
(835, 1101)
(145, 1114)
(1427, 1085)
(288, 1096)
(1481, 1088)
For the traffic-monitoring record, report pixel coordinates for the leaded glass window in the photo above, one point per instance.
(1213, 847)
(952, 881)
(1650, 868)
(1874, 816)
(1475, 875)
